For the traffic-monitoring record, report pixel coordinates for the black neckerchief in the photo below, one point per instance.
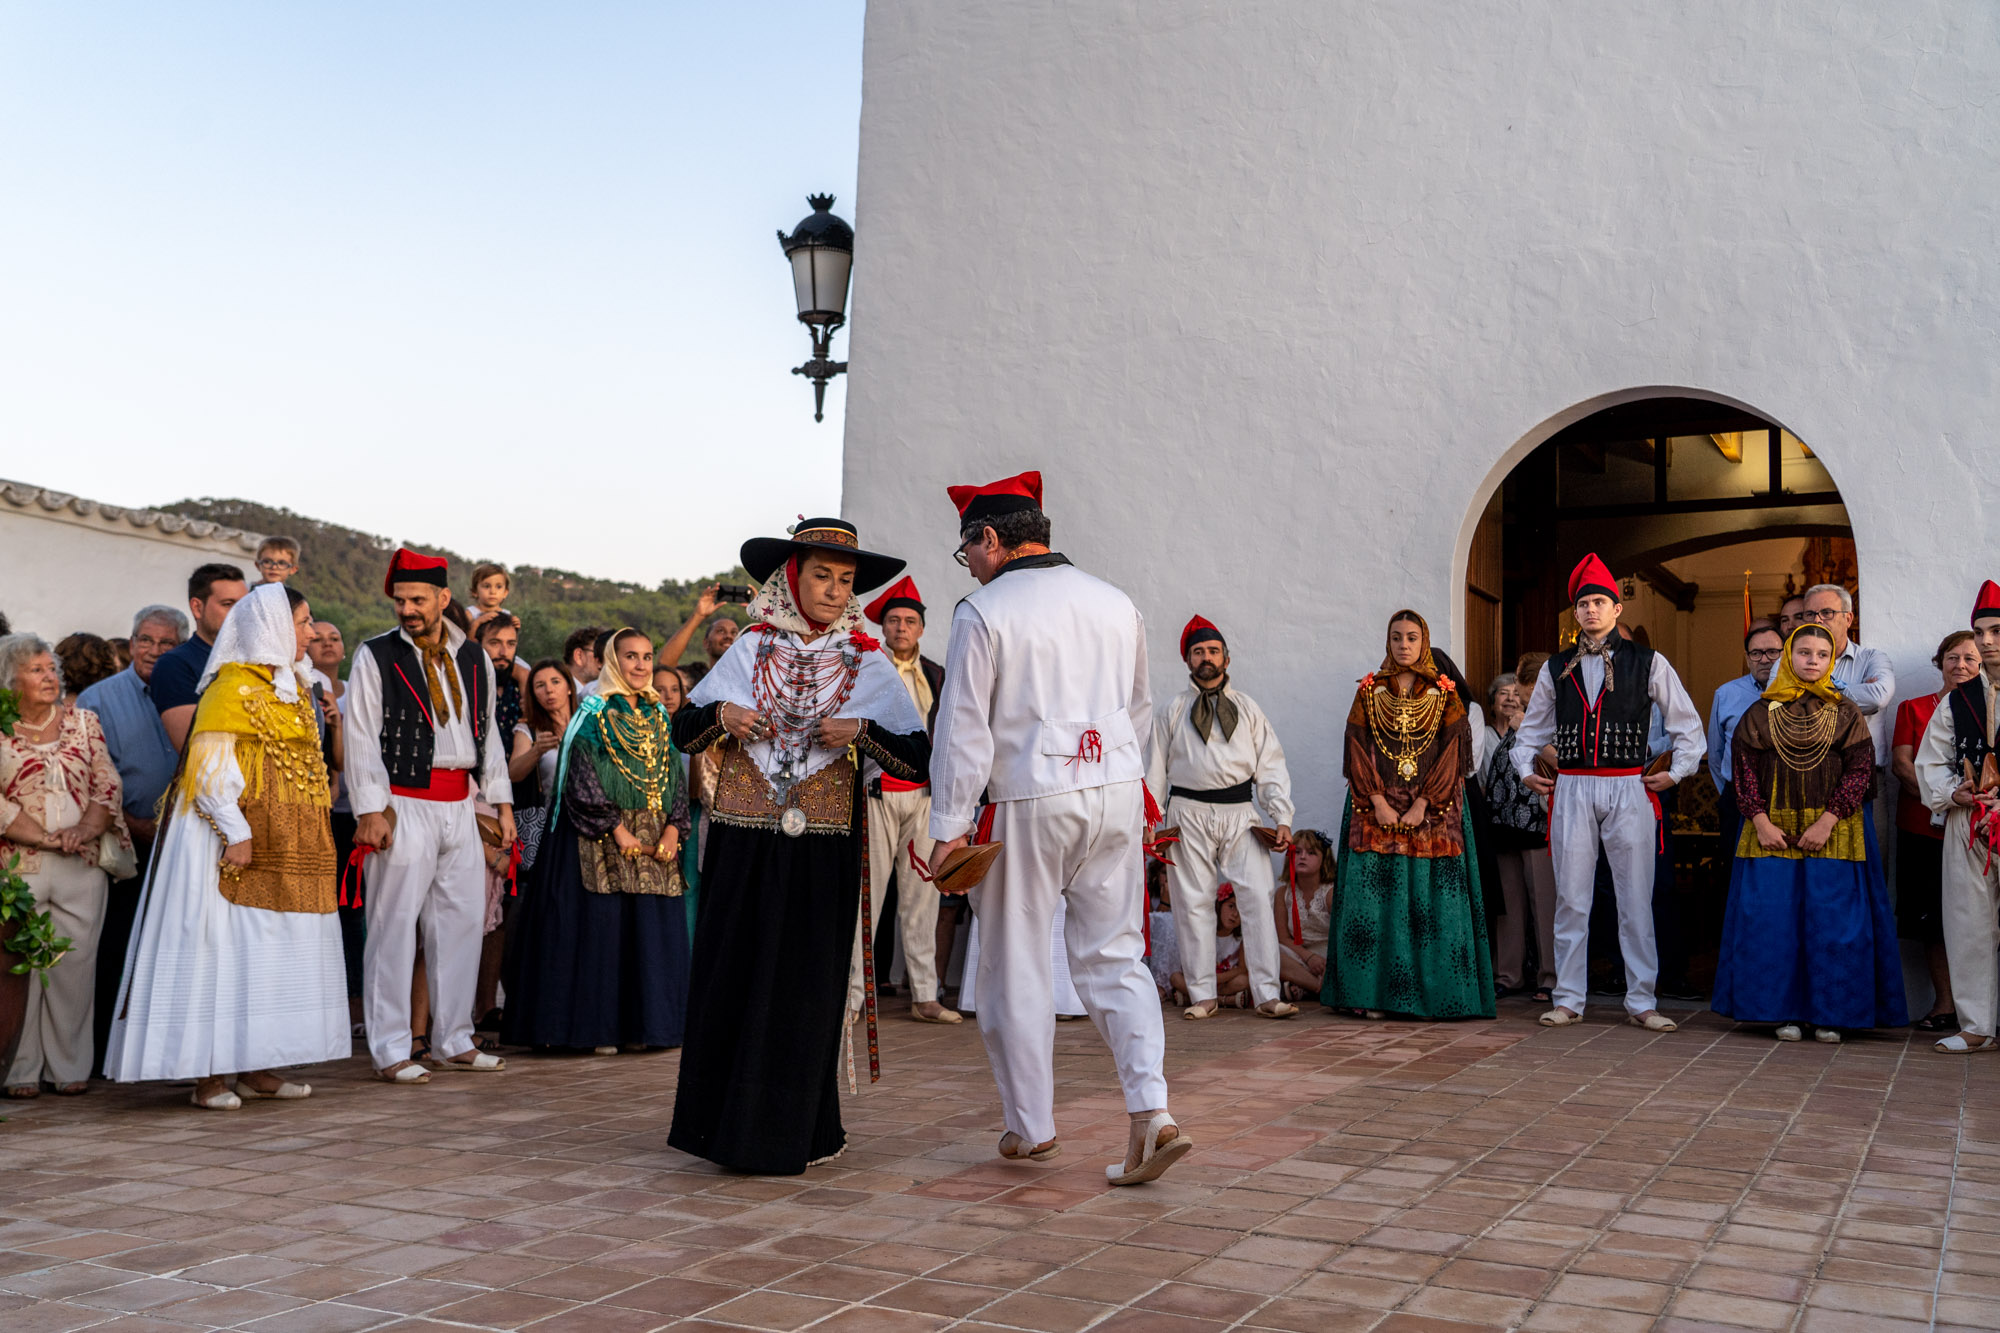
(1046, 560)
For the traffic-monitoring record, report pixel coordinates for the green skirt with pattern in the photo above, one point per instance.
(1409, 934)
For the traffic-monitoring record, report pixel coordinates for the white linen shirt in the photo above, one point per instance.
(1938, 774)
(1182, 759)
(1042, 660)
(366, 776)
(1664, 688)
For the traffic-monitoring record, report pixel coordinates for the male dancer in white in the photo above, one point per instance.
(1213, 753)
(420, 724)
(1594, 701)
(1045, 709)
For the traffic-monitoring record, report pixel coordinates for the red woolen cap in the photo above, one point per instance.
(1009, 495)
(1592, 576)
(1197, 631)
(413, 567)
(1988, 603)
(903, 592)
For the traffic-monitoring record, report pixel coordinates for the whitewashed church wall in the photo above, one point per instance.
(1275, 292)
(59, 574)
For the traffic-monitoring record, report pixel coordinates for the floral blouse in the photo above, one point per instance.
(56, 781)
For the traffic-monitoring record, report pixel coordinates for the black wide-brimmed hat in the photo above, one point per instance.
(763, 556)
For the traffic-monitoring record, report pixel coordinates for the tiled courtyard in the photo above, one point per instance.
(1397, 1177)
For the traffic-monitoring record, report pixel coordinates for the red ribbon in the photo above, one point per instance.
(1153, 815)
(1089, 749)
(1983, 832)
(1156, 847)
(514, 869)
(351, 872)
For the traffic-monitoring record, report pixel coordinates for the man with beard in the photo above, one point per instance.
(899, 818)
(1214, 753)
(500, 635)
(420, 734)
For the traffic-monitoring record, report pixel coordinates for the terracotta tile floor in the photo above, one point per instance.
(1396, 1177)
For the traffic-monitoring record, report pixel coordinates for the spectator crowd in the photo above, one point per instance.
(1445, 889)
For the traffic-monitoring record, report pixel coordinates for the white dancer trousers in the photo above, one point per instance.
(1971, 926)
(1617, 814)
(1216, 845)
(431, 880)
(1081, 848)
(895, 820)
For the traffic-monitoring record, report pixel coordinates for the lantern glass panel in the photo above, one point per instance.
(819, 280)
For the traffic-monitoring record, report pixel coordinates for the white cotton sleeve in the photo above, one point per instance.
(1937, 775)
(1677, 712)
(366, 776)
(216, 779)
(962, 750)
(1538, 724)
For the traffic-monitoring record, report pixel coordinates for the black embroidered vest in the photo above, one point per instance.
(408, 739)
(1611, 733)
(1968, 726)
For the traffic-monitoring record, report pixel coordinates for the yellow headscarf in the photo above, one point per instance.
(1785, 685)
(610, 680)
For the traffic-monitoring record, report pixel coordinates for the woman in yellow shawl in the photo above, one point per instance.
(235, 965)
(1808, 940)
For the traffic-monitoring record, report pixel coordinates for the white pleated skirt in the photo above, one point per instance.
(1067, 1000)
(214, 988)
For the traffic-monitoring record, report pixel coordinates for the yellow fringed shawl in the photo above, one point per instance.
(286, 796)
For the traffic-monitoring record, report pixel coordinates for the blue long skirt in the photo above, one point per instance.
(1811, 941)
(590, 969)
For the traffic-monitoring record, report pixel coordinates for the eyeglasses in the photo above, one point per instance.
(1823, 617)
(964, 560)
(277, 564)
(1766, 654)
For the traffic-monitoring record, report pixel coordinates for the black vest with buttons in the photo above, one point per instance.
(408, 739)
(1968, 726)
(1612, 732)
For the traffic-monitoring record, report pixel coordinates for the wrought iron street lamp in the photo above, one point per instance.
(821, 249)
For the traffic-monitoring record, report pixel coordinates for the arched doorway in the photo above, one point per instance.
(1698, 504)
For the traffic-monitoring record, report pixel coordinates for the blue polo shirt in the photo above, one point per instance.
(177, 675)
(1731, 702)
(135, 738)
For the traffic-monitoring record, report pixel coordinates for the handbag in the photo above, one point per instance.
(114, 858)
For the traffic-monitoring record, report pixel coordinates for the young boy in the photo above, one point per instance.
(277, 559)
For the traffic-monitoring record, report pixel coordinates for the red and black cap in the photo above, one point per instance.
(903, 592)
(763, 556)
(413, 567)
(1010, 495)
(1197, 631)
(1592, 576)
(1988, 602)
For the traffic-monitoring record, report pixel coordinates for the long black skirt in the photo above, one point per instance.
(760, 1078)
(592, 969)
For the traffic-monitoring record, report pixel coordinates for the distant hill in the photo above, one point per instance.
(341, 574)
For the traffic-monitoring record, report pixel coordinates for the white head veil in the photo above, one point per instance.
(259, 631)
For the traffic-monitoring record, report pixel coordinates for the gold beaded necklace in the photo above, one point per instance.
(1803, 742)
(1404, 728)
(643, 734)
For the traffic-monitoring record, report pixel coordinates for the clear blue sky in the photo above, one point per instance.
(500, 276)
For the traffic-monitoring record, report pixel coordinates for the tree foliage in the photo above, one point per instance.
(340, 572)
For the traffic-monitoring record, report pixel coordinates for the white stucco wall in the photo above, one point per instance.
(1274, 292)
(68, 564)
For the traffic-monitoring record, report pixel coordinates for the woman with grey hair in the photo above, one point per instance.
(59, 810)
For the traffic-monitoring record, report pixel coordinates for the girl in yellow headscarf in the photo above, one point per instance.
(1808, 940)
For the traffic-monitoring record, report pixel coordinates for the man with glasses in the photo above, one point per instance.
(278, 559)
(1762, 647)
(1864, 675)
(137, 742)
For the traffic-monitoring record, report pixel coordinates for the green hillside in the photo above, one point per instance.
(341, 573)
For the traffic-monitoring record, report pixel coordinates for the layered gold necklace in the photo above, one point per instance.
(643, 737)
(1803, 740)
(1404, 728)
